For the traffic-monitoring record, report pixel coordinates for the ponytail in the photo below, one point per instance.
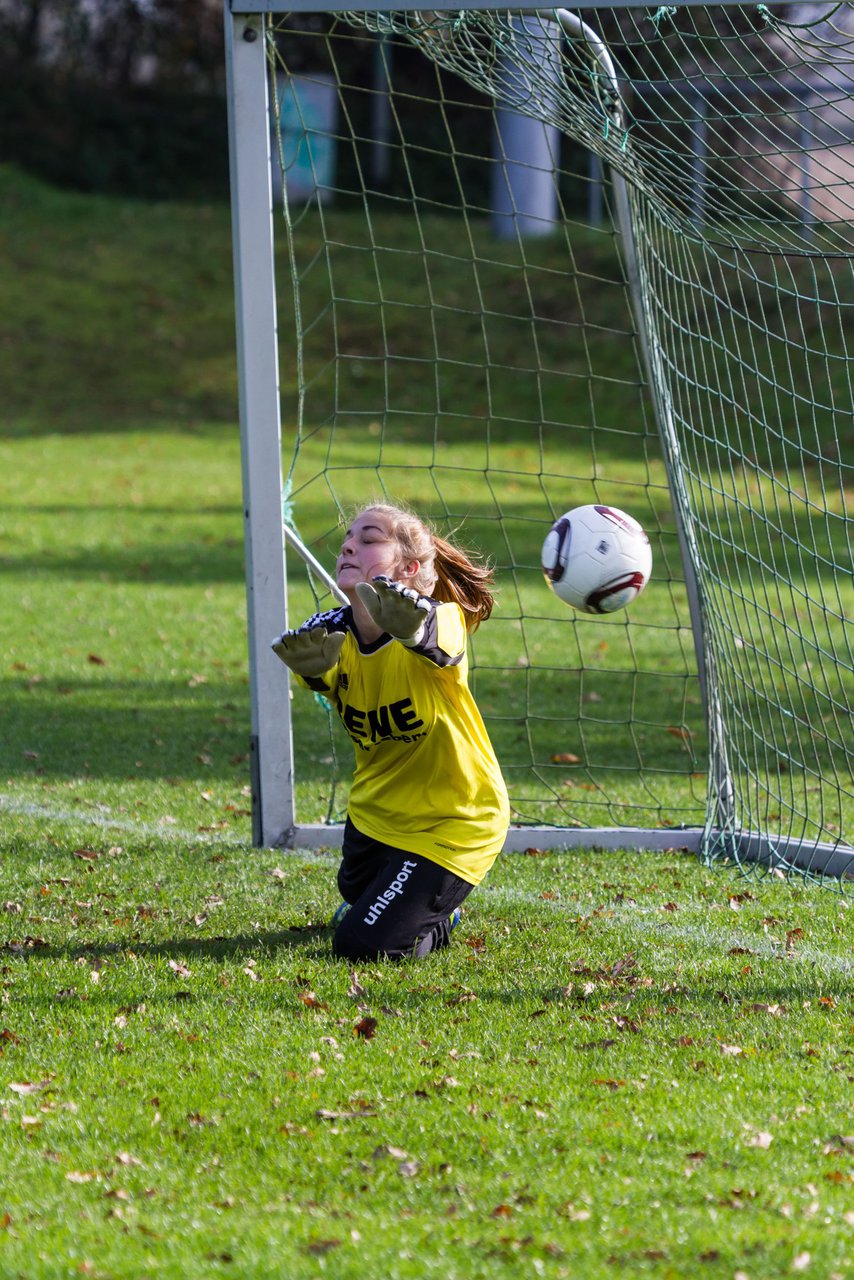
(460, 580)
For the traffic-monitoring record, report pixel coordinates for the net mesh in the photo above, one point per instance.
(722, 111)
(482, 358)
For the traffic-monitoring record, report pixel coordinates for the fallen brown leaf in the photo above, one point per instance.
(310, 1000)
(322, 1246)
(357, 991)
(26, 1088)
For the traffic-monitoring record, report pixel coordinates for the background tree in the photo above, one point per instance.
(123, 96)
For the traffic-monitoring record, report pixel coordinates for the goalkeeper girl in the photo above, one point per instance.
(428, 808)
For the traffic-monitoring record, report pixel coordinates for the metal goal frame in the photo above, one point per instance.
(274, 819)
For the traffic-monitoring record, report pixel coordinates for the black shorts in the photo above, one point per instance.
(400, 902)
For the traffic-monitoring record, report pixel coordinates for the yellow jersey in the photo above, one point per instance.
(426, 778)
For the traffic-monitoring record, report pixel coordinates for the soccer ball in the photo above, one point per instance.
(597, 559)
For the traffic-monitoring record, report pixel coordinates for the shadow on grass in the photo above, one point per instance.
(124, 729)
(534, 1000)
(312, 939)
(120, 730)
(208, 559)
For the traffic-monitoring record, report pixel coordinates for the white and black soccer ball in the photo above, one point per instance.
(597, 559)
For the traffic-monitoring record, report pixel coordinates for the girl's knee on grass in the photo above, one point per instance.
(357, 940)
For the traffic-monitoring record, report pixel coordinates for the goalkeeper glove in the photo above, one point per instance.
(398, 610)
(309, 651)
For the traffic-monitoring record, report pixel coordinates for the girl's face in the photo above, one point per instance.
(368, 550)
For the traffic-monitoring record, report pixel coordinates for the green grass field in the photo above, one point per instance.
(626, 1064)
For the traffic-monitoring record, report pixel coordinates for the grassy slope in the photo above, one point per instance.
(117, 314)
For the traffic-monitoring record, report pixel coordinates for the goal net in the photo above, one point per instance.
(530, 261)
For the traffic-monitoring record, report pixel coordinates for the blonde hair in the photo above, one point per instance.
(446, 572)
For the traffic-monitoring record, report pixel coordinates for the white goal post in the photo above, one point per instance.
(724, 831)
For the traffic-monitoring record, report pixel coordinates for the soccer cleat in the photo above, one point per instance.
(454, 919)
(339, 915)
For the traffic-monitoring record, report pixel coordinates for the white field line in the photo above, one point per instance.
(102, 820)
(644, 922)
(105, 821)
